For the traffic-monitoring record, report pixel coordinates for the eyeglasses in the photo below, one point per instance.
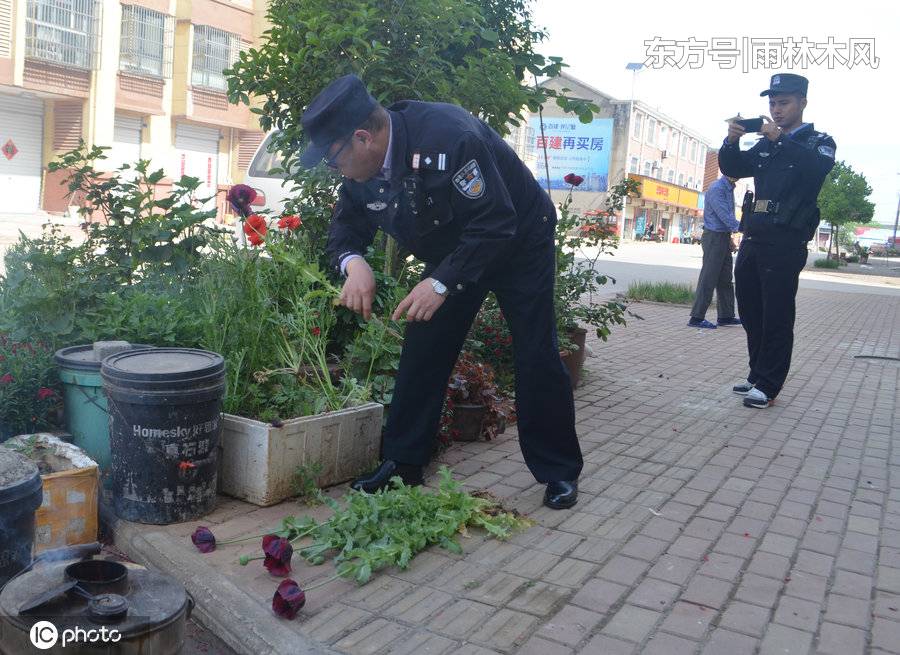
(331, 162)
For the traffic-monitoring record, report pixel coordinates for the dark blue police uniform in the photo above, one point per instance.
(461, 200)
(787, 176)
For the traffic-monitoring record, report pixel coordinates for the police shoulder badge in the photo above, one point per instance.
(469, 181)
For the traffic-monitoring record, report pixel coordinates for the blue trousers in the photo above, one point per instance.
(523, 284)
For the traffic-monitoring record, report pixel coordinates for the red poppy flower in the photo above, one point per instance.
(573, 179)
(6, 379)
(44, 393)
(316, 331)
(204, 540)
(289, 222)
(255, 228)
(278, 552)
(288, 599)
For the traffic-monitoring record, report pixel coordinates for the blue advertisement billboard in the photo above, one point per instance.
(573, 147)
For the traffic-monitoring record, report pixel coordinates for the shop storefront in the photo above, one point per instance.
(672, 212)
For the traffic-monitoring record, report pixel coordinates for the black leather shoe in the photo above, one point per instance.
(561, 495)
(380, 478)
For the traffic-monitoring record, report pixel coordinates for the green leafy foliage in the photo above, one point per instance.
(580, 240)
(843, 199)
(29, 387)
(370, 532)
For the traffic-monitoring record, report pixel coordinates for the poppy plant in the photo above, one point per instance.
(278, 552)
(204, 539)
(573, 179)
(255, 228)
(240, 196)
(289, 222)
(288, 599)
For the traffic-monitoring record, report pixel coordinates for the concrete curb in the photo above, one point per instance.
(220, 606)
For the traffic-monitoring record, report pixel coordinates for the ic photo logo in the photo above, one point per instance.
(44, 635)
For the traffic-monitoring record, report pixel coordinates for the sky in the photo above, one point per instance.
(858, 106)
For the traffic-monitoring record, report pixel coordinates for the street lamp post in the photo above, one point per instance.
(634, 67)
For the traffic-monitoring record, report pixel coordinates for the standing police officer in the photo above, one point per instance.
(452, 192)
(788, 167)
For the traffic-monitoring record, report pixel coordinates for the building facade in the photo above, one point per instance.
(666, 157)
(142, 77)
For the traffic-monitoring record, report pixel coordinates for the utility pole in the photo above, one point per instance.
(634, 67)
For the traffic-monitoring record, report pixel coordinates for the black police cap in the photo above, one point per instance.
(786, 83)
(336, 112)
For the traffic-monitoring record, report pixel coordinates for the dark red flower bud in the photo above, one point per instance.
(204, 540)
(288, 599)
(6, 379)
(278, 552)
(240, 196)
(44, 393)
(573, 179)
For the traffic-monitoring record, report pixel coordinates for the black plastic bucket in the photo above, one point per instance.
(165, 421)
(21, 493)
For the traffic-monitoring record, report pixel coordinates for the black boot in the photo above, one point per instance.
(380, 478)
(561, 495)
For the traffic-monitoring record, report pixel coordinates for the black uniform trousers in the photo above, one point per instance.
(523, 284)
(766, 277)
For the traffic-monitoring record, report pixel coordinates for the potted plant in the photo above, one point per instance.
(580, 240)
(473, 407)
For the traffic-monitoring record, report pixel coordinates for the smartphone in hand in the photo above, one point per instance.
(750, 124)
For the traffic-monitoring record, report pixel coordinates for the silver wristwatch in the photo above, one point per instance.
(439, 288)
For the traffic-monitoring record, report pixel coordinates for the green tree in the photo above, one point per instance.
(844, 200)
(475, 53)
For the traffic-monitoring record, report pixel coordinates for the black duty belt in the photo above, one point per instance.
(765, 207)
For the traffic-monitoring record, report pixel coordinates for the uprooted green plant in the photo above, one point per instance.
(388, 528)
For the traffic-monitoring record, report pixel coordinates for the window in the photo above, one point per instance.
(681, 179)
(684, 141)
(651, 131)
(214, 51)
(690, 182)
(638, 125)
(146, 42)
(663, 137)
(693, 150)
(647, 168)
(671, 176)
(63, 31)
(634, 165)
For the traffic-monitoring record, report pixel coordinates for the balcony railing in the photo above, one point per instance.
(147, 38)
(64, 32)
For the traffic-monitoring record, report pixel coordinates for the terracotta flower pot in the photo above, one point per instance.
(574, 359)
(467, 421)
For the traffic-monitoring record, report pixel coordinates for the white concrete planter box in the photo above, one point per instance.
(257, 462)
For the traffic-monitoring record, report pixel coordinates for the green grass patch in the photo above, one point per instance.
(827, 263)
(675, 293)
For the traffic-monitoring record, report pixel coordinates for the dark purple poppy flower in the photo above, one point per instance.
(278, 552)
(204, 540)
(573, 179)
(288, 599)
(240, 196)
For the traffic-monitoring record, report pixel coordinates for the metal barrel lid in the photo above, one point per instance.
(84, 357)
(19, 476)
(152, 369)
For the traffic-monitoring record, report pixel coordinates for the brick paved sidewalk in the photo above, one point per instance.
(702, 526)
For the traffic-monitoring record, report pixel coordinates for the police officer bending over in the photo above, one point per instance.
(788, 167)
(452, 192)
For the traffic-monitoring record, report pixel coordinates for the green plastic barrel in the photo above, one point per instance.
(84, 400)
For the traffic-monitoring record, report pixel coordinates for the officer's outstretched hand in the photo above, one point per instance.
(359, 288)
(421, 303)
